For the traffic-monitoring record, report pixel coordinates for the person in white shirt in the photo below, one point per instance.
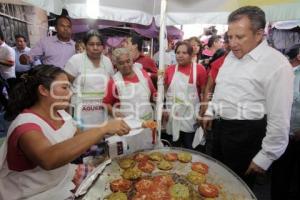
(7, 61)
(20, 49)
(289, 161)
(169, 56)
(252, 99)
(89, 72)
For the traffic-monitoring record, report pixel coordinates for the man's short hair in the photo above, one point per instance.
(293, 51)
(62, 17)
(135, 39)
(256, 16)
(20, 36)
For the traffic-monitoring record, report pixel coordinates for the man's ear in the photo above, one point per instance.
(260, 34)
(43, 91)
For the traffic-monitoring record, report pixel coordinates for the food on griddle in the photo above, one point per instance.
(120, 185)
(163, 181)
(143, 185)
(165, 165)
(140, 157)
(132, 174)
(146, 166)
(154, 188)
(156, 156)
(170, 156)
(196, 178)
(200, 167)
(126, 163)
(117, 196)
(179, 192)
(208, 190)
(184, 157)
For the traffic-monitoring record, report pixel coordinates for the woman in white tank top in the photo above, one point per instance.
(42, 139)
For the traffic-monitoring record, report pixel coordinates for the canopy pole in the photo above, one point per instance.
(152, 48)
(160, 78)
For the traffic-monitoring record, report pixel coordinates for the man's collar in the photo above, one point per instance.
(254, 53)
(22, 50)
(258, 50)
(58, 40)
(296, 68)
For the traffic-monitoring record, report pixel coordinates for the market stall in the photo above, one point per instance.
(166, 12)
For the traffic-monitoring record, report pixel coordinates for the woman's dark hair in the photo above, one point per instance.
(135, 39)
(188, 46)
(25, 93)
(213, 39)
(92, 33)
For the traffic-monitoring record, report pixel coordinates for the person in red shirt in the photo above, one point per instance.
(216, 63)
(184, 84)
(135, 45)
(130, 90)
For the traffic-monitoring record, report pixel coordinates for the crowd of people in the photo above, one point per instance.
(64, 97)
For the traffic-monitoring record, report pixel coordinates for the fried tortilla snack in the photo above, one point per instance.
(184, 157)
(143, 185)
(208, 190)
(196, 178)
(140, 157)
(126, 163)
(132, 174)
(179, 192)
(146, 166)
(156, 156)
(165, 165)
(120, 185)
(170, 157)
(200, 167)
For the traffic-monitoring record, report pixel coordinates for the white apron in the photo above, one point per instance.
(37, 183)
(134, 97)
(87, 99)
(183, 103)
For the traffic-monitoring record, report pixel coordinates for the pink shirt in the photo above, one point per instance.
(52, 51)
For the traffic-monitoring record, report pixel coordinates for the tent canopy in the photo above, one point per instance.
(178, 11)
(286, 25)
(149, 31)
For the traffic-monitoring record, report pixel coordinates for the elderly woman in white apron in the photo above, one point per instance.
(184, 84)
(89, 72)
(42, 139)
(130, 90)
